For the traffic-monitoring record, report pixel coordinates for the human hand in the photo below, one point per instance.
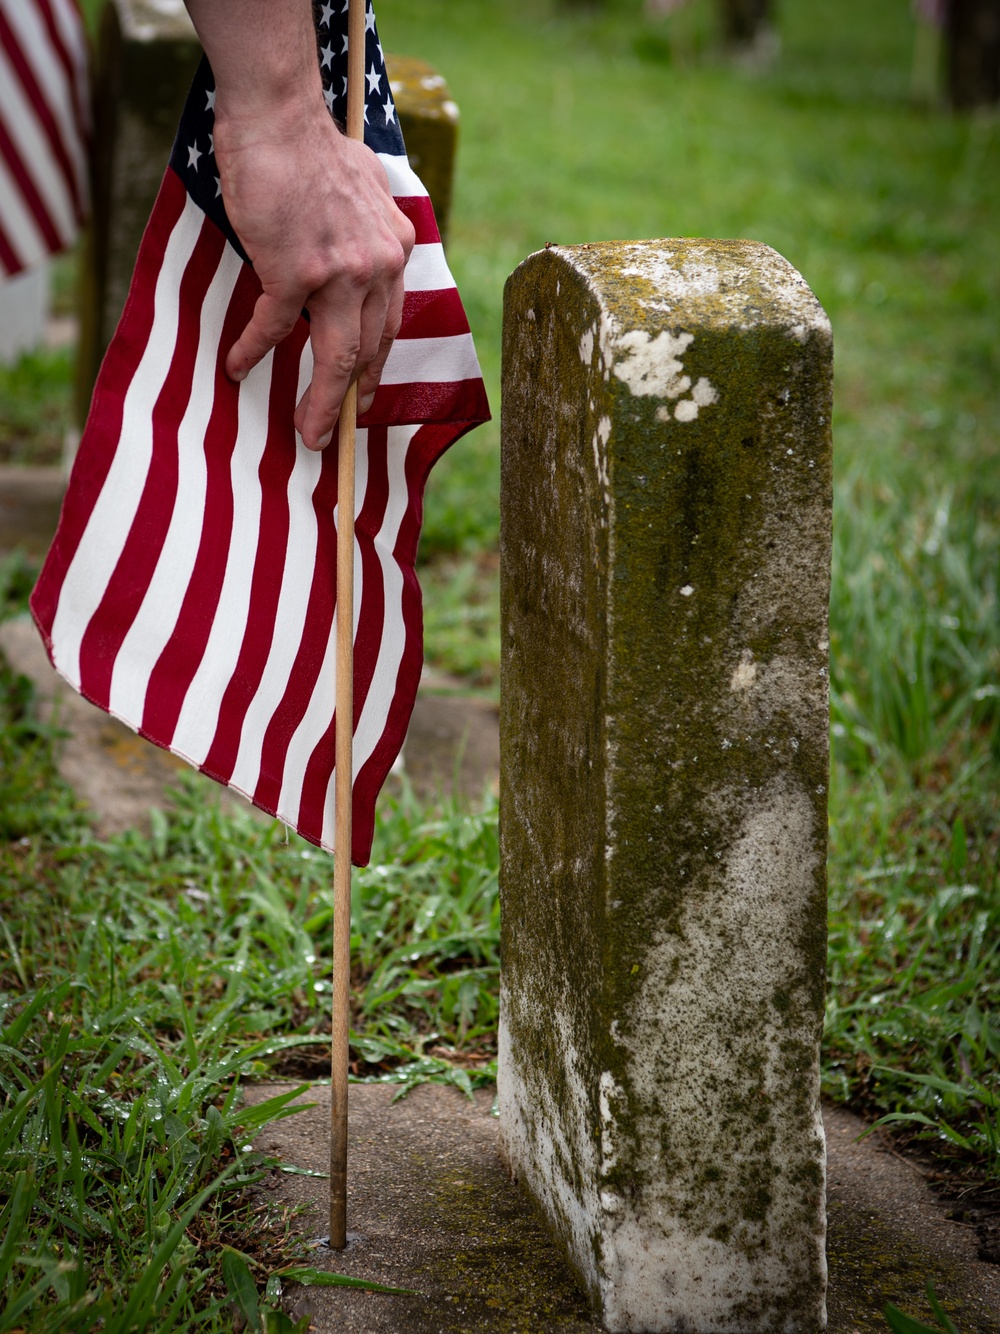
(314, 213)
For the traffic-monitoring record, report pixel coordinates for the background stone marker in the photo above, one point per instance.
(428, 119)
(665, 550)
(146, 58)
(24, 312)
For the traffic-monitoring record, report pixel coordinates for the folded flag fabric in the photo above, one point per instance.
(191, 587)
(44, 129)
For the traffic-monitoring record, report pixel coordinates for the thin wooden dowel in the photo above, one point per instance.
(341, 1019)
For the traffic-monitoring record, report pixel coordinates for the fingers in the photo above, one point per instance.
(369, 379)
(273, 319)
(343, 342)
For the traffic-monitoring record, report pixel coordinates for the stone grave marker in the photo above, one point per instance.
(665, 557)
(24, 311)
(428, 119)
(147, 54)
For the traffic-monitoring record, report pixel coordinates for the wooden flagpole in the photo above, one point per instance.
(341, 1019)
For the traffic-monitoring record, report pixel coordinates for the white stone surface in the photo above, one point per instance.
(24, 308)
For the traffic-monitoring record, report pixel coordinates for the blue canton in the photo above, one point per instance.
(193, 156)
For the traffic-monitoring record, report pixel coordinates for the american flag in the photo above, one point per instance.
(190, 588)
(44, 123)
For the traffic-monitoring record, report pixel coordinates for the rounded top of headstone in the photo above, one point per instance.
(155, 20)
(666, 283)
(418, 89)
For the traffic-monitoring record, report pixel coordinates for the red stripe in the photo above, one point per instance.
(42, 110)
(171, 678)
(420, 211)
(29, 193)
(275, 469)
(137, 563)
(426, 447)
(9, 258)
(437, 314)
(75, 70)
(104, 425)
(367, 639)
(313, 645)
(449, 400)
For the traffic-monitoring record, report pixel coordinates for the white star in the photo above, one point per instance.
(327, 57)
(211, 142)
(218, 187)
(343, 49)
(390, 112)
(209, 99)
(374, 79)
(366, 113)
(194, 153)
(343, 91)
(369, 20)
(327, 16)
(328, 98)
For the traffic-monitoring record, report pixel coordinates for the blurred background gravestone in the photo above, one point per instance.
(428, 119)
(147, 53)
(972, 52)
(24, 310)
(665, 565)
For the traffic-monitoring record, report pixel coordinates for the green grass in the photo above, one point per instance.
(141, 979)
(204, 948)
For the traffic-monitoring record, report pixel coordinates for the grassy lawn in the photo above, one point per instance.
(141, 979)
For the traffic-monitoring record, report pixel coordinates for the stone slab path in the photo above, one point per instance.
(434, 1211)
(432, 1204)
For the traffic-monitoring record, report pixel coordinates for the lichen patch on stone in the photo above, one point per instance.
(651, 367)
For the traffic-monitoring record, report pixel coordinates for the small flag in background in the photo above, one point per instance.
(191, 586)
(44, 125)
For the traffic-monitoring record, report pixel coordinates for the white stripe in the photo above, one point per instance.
(36, 45)
(320, 710)
(35, 152)
(293, 602)
(403, 180)
(370, 727)
(431, 360)
(18, 222)
(111, 521)
(199, 713)
(154, 624)
(427, 269)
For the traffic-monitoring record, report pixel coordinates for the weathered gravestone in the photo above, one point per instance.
(666, 508)
(24, 310)
(146, 58)
(428, 119)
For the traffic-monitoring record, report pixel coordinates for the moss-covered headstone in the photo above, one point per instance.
(147, 54)
(428, 119)
(666, 506)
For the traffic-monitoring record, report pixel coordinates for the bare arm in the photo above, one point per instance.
(312, 209)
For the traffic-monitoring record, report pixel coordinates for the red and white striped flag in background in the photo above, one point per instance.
(191, 586)
(44, 126)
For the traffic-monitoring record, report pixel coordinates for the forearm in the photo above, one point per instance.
(263, 56)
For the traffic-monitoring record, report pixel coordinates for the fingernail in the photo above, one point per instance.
(324, 440)
(365, 403)
(240, 374)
